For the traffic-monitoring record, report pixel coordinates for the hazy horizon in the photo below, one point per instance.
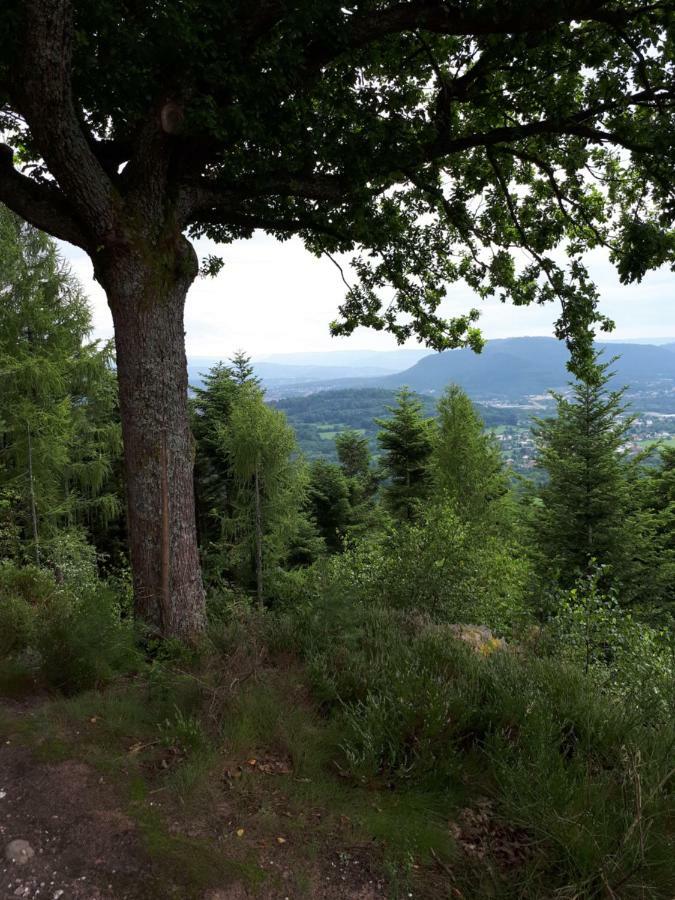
(274, 297)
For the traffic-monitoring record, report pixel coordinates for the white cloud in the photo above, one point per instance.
(272, 297)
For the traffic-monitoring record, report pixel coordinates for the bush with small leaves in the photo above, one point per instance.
(74, 629)
(627, 659)
(17, 622)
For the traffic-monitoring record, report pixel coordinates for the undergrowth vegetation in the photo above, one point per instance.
(487, 769)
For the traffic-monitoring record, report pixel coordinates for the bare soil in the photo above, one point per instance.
(87, 845)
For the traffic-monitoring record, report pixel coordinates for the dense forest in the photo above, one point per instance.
(318, 417)
(470, 648)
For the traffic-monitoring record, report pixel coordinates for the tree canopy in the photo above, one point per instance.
(431, 140)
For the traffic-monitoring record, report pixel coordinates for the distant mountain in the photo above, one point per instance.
(298, 369)
(386, 360)
(277, 376)
(272, 371)
(518, 367)
(509, 368)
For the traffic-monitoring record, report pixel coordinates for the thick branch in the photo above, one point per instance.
(41, 204)
(454, 19)
(271, 222)
(43, 89)
(575, 125)
(205, 195)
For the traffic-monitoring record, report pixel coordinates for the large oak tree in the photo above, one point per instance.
(435, 140)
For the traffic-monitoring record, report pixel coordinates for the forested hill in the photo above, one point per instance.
(507, 369)
(516, 367)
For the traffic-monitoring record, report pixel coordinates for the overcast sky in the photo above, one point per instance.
(275, 297)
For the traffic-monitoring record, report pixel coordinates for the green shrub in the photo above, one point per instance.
(626, 659)
(28, 583)
(440, 566)
(585, 782)
(73, 558)
(82, 641)
(78, 637)
(16, 626)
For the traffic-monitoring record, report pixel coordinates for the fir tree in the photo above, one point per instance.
(241, 369)
(60, 445)
(586, 504)
(405, 439)
(211, 408)
(329, 502)
(467, 465)
(353, 453)
(656, 492)
(263, 525)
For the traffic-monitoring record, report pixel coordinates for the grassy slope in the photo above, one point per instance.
(238, 767)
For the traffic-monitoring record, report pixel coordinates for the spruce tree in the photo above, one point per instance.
(60, 444)
(354, 457)
(353, 453)
(405, 439)
(586, 503)
(467, 465)
(211, 407)
(656, 492)
(263, 524)
(242, 370)
(330, 503)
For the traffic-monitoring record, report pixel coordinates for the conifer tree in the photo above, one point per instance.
(241, 368)
(467, 465)
(405, 439)
(329, 502)
(587, 502)
(61, 441)
(354, 456)
(264, 521)
(656, 491)
(211, 407)
(353, 453)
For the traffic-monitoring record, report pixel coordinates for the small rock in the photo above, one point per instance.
(19, 852)
(479, 638)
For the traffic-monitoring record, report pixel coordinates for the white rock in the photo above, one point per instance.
(19, 852)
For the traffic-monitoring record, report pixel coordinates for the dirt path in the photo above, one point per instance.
(86, 847)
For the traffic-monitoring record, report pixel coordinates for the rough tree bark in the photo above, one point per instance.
(147, 303)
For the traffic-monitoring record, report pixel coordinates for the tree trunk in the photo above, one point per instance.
(146, 294)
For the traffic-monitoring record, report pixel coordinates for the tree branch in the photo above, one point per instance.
(41, 204)
(270, 222)
(456, 19)
(206, 195)
(573, 125)
(42, 86)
